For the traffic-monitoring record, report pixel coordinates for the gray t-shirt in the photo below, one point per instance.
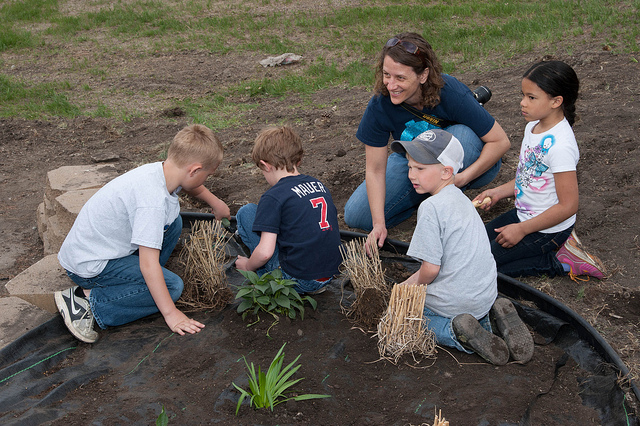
(450, 233)
(130, 211)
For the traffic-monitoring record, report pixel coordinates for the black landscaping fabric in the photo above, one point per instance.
(40, 371)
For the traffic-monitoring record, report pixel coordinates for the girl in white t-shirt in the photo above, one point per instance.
(536, 237)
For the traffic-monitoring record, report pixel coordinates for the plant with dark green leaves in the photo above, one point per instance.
(272, 294)
(268, 390)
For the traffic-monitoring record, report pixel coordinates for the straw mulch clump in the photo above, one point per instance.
(368, 281)
(203, 256)
(401, 330)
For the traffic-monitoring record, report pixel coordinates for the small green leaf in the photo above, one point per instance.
(163, 419)
(243, 292)
(311, 301)
(263, 300)
(250, 275)
(283, 301)
(263, 288)
(244, 305)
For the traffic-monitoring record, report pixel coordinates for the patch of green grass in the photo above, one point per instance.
(15, 39)
(28, 10)
(101, 110)
(48, 99)
(339, 43)
(580, 294)
(216, 112)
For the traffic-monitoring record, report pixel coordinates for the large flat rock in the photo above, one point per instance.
(17, 317)
(37, 284)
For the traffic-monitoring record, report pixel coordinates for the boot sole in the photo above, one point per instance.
(513, 330)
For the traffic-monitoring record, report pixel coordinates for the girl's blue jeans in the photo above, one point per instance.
(534, 255)
(401, 200)
(245, 217)
(119, 294)
(442, 327)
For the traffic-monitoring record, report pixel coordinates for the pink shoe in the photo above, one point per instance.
(580, 262)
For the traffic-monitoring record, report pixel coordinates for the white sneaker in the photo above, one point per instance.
(76, 312)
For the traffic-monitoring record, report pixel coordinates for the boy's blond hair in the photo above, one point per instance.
(196, 143)
(280, 146)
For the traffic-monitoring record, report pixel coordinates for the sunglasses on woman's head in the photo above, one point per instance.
(408, 47)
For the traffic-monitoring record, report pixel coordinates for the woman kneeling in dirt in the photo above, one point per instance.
(412, 95)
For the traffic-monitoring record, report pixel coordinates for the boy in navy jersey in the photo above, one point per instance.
(295, 224)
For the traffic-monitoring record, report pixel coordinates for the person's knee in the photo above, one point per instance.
(356, 211)
(175, 285)
(358, 218)
(245, 217)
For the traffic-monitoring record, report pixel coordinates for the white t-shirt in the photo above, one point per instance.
(450, 233)
(132, 210)
(542, 155)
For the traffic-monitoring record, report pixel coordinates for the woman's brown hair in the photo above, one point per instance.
(425, 58)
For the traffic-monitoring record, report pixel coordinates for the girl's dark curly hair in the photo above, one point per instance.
(426, 58)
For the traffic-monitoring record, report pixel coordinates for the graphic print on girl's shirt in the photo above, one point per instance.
(531, 168)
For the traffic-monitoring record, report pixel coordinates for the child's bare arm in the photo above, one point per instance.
(151, 270)
(218, 207)
(496, 194)
(425, 275)
(260, 255)
(567, 192)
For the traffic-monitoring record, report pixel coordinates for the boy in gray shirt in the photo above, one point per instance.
(457, 264)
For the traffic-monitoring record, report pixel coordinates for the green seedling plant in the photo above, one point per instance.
(268, 390)
(163, 419)
(272, 294)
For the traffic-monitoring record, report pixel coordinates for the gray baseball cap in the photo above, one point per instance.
(433, 147)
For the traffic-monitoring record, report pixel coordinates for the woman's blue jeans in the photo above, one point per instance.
(401, 200)
(245, 217)
(119, 294)
(534, 255)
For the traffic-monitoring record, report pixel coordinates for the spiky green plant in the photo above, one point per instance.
(268, 390)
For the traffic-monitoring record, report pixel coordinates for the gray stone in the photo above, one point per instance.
(17, 317)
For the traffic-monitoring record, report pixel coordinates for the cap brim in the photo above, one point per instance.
(416, 150)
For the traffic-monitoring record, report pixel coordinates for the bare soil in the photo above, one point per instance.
(608, 225)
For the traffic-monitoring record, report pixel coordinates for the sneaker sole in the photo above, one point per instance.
(64, 311)
(513, 330)
(489, 346)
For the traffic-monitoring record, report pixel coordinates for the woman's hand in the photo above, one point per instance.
(377, 236)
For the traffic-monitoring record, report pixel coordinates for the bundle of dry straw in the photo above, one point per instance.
(438, 420)
(401, 329)
(203, 256)
(367, 278)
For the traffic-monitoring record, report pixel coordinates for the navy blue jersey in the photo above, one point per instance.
(301, 211)
(457, 103)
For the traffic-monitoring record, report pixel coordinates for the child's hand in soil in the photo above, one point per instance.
(179, 323)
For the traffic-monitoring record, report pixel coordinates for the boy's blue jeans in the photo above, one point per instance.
(442, 327)
(401, 200)
(245, 217)
(534, 255)
(119, 294)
